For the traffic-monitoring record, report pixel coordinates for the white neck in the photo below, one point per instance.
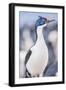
(39, 33)
(40, 30)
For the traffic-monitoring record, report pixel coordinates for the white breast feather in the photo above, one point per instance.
(39, 57)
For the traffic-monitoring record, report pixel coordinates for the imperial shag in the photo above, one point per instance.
(37, 58)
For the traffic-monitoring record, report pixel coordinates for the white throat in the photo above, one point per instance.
(39, 32)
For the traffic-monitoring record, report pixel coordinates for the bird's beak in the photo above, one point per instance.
(48, 21)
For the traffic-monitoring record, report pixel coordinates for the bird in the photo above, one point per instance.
(53, 39)
(36, 59)
(26, 44)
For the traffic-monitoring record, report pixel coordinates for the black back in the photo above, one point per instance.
(28, 56)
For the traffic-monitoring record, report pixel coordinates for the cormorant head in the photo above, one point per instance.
(42, 21)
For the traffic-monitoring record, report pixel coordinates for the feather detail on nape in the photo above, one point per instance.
(40, 16)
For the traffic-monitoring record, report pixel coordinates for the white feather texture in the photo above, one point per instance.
(39, 57)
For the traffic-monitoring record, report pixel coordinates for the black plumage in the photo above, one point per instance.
(28, 56)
